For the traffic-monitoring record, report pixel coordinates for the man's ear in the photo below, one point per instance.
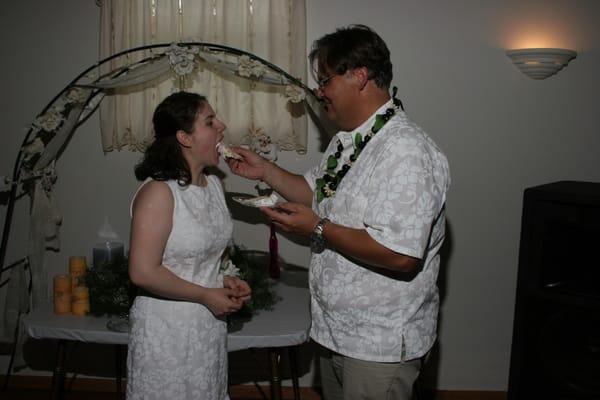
(184, 139)
(361, 75)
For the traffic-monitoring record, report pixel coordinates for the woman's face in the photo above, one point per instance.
(208, 131)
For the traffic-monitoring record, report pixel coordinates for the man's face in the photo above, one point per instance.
(335, 92)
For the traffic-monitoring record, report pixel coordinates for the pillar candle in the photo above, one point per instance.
(80, 307)
(62, 304)
(77, 269)
(62, 285)
(80, 293)
(77, 263)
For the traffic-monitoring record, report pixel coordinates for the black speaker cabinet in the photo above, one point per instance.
(556, 334)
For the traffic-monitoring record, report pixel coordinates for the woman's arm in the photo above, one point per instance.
(151, 225)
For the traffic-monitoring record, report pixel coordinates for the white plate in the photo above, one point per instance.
(258, 201)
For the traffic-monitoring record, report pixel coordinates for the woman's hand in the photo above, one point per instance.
(252, 166)
(241, 288)
(293, 217)
(221, 301)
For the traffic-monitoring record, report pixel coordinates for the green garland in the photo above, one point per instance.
(253, 268)
(112, 292)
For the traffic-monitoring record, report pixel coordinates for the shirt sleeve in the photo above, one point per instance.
(403, 198)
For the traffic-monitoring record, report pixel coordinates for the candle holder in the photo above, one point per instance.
(107, 252)
(118, 323)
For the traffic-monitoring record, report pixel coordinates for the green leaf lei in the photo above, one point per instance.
(329, 182)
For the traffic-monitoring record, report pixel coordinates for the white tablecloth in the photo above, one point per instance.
(286, 325)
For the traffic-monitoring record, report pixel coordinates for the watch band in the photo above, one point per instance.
(317, 241)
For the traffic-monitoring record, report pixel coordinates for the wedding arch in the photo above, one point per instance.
(34, 171)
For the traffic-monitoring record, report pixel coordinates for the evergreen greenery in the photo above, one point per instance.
(112, 293)
(253, 268)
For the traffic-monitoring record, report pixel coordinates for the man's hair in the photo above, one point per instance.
(352, 47)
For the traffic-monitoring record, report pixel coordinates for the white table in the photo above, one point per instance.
(284, 327)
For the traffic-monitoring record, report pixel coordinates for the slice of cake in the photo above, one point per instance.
(226, 152)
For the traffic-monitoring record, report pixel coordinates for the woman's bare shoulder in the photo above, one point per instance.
(152, 194)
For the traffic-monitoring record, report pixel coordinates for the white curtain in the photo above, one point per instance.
(274, 30)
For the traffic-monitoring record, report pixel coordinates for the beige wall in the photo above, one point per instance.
(501, 131)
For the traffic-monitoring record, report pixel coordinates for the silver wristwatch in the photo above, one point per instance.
(317, 241)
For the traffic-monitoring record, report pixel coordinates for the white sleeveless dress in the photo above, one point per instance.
(177, 349)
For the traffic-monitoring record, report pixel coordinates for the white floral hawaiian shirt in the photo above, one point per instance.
(396, 190)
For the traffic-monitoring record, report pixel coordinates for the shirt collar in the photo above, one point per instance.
(347, 137)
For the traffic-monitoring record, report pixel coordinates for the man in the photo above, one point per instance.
(374, 210)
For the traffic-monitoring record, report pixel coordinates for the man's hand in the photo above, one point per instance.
(252, 166)
(293, 217)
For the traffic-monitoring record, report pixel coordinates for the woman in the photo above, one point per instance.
(180, 228)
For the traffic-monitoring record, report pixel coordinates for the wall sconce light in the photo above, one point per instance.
(540, 63)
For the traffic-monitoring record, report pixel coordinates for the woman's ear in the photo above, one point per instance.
(184, 139)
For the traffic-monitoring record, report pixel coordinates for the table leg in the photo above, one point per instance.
(118, 369)
(294, 371)
(58, 375)
(275, 361)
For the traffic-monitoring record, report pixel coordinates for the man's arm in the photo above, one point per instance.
(352, 242)
(292, 187)
(358, 244)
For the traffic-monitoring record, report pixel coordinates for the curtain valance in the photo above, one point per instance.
(274, 30)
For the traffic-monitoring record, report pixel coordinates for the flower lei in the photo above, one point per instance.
(328, 183)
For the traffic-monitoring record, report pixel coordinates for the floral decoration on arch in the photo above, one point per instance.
(182, 58)
(50, 130)
(52, 121)
(250, 68)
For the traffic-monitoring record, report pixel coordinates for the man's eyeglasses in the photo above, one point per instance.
(321, 83)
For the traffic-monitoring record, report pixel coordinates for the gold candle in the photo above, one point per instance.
(62, 304)
(62, 285)
(80, 307)
(81, 293)
(77, 269)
